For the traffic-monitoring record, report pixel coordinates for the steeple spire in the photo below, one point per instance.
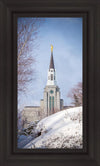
(51, 60)
(51, 72)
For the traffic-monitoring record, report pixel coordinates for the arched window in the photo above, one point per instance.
(51, 76)
(51, 104)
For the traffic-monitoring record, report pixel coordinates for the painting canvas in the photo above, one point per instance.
(49, 83)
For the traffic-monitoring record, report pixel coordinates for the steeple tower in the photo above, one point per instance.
(51, 72)
(51, 102)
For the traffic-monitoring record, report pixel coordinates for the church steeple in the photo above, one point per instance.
(51, 60)
(51, 72)
(52, 99)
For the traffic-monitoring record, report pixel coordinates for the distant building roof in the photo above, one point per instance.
(32, 106)
(66, 107)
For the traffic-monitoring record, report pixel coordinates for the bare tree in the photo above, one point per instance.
(76, 94)
(27, 34)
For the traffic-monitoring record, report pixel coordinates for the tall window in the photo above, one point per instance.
(50, 103)
(53, 102)
(51, 76)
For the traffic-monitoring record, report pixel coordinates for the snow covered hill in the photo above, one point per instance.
(60, 130)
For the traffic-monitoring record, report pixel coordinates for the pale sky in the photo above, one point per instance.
(65, 34)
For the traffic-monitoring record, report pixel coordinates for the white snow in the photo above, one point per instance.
(60, 130)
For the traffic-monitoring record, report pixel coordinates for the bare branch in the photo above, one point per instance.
(27, 35)
(76, 94)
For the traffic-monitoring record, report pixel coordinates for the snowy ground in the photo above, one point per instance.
(60, 130)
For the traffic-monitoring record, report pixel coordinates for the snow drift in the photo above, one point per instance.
(60, 130)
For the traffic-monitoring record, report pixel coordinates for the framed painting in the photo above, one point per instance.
(50, 88)
(43, 123)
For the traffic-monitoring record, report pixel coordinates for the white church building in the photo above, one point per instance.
(51, 101)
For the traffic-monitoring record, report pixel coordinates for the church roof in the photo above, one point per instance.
(51, 62)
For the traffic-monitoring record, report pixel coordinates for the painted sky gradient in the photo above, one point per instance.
(65, 34)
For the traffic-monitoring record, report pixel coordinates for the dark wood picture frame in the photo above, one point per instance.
(84, 61)
(90, 11)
